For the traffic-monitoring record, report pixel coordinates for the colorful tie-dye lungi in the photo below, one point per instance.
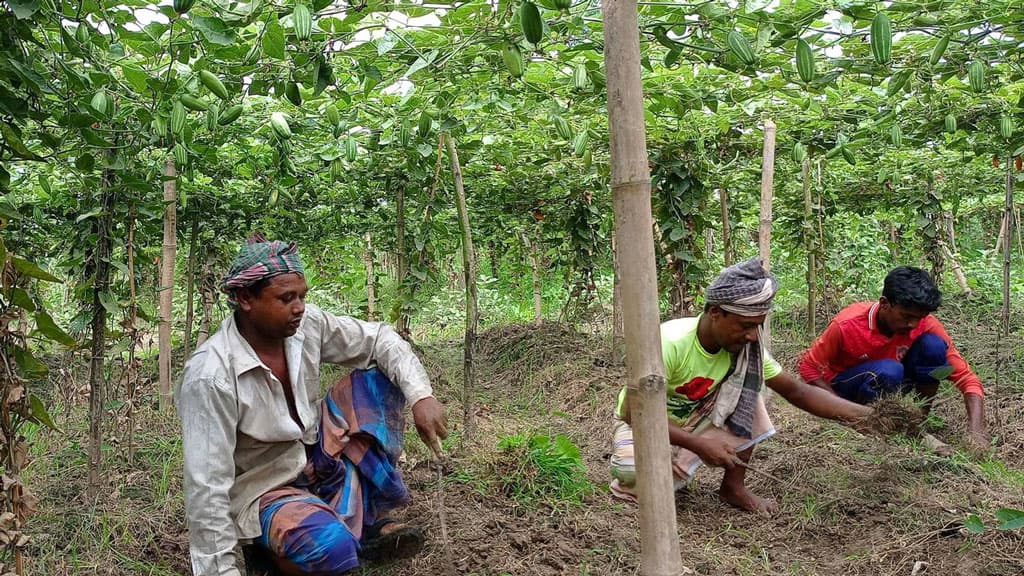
(314, 525)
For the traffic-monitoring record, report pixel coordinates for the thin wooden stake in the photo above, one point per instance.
(764, 231)
(168, 255)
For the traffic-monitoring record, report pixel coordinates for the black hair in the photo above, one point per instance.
(911, 287)
(256, 287)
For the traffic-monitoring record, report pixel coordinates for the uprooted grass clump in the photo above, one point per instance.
(537, 469)
(894, 415)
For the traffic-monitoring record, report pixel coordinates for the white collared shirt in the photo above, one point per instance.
(239, 438)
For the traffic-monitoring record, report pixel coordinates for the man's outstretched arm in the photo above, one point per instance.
(815, 400)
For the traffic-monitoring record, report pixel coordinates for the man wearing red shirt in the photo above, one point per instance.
(894, 345)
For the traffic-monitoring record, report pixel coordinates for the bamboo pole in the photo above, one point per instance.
(949, 251)
(812, 273)
(531, 249)
(631, 191)
(618, 340)
(400, 256)
(209, 294)
(469, 275)
(168, 255)
(723, 199)
(101, 283)
(1007, 246)
(764, 231)
(371, 278)
(1007, 258)
(190, 289)
(131, 378)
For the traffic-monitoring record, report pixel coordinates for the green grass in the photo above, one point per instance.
(536, 469)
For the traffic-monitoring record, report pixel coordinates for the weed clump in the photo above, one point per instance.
(537, 469)
(894, 415)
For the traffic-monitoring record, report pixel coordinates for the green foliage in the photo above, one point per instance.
(537, 469)
(1008, 518)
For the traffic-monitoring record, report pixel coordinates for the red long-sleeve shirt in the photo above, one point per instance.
(853, 338)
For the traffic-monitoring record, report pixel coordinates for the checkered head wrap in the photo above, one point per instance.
(258, 260)
(746, 289)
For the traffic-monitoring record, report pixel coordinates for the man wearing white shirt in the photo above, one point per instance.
(267, 460)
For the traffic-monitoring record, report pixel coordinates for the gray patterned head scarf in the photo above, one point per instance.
(746, 289)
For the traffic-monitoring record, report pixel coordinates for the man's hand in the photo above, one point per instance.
(431, 423)
(978, 442)
(716, 452)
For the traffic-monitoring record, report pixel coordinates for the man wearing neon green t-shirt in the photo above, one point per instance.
(716, 370)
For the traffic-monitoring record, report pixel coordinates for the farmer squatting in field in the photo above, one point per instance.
(266, 460)
(896, 345)
(716, 369)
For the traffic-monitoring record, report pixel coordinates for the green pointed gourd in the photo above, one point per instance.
(213, 84)
(740, 48)
(805, 61)
(881, 38)
(531, 23)
(302, 20)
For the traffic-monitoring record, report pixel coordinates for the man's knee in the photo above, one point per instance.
(929, 348)
(324, 548)
(865, 383)
(889, 374)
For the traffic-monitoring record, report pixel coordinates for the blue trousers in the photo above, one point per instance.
(924, 364)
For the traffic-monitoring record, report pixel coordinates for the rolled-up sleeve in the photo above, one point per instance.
(209, 417)
(360, 344)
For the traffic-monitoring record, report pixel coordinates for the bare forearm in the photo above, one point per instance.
(679, 437)
(823, 403)
(820, 383)
(975, 405)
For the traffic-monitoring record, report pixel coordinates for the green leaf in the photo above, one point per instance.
(1010, 518)
(273, 40)
(974, 524)
(21, 299)
(89, 214)
(85, 163)
(27, 364)
(44, 183)
(13, 141)
(49, 328)
(214, 29)
(109, 302)
(23, 8)
(29, 269)
(39, 412)
(136, 77)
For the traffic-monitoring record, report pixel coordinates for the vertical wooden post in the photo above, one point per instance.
(101, 283)
(209, 295)
(190, 289)
(469, 276)
(1007, 245)
(618, 339)
(764, 231)
(723, 199)
(631, 191)
(401, 260)
(812, 276)
(131, 378)
(168, 256)
(371, 278)
(531, 249)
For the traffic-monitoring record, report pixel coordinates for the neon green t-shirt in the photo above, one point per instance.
(690, 371)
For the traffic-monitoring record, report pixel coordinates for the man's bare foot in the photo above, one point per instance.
(744, 499)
